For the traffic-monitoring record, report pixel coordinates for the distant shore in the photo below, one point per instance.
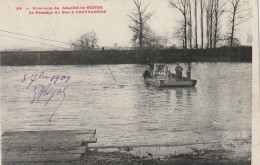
(223, 54)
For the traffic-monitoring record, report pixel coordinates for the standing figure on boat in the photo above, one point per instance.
(188, 71)
(178, 70)
(167, 71)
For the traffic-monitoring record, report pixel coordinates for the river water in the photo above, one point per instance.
(127, 111)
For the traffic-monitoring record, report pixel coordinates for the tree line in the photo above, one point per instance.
(211, 13)
(199, 26)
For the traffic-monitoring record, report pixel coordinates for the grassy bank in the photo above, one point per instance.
(202, 157)
(223, 54)
(229, 152)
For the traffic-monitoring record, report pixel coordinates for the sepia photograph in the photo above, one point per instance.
(91, 82)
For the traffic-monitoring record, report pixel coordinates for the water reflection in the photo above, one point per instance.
(184, 97)
(165, 95)
(190, 92)
(179, 95)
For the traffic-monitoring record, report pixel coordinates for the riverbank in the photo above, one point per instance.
(233, 152)
(95, 157)
(214, 158)
(202, 157)
(185, 159)
(223, 54)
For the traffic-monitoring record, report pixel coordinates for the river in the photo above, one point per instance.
(127, 111)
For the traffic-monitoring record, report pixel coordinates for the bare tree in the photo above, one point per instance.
(201, 22)
(182, 6)
(86, 42)
(211, 22)
(218, 11)
(209, 15)
(207, 26)
(196, 25)
(238, 16)
(165, 39)
(179, 32)
(235, 5)
(190, 25)
(249, 39)
(134, 39)
(153, 40)
(139, 18)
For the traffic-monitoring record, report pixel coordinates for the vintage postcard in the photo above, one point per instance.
(129, 82)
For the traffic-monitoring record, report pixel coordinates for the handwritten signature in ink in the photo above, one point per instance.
(48, 89)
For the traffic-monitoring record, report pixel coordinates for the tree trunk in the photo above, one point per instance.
(233, 28)
(216, 22)
(211, 24)
(141, 40)
(141, 29)
(201, 22)
(185, 32)
(190, 28)
(207, 30)
(196, 29)
(216, 30)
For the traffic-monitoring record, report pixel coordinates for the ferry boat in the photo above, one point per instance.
(159, 75)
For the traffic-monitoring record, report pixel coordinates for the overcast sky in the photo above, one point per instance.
(111, 27)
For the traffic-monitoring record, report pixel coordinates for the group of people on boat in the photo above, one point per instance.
(178, 70)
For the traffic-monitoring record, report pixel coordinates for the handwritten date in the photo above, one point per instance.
(47, 87)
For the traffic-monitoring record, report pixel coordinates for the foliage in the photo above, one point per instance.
(86, 42)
